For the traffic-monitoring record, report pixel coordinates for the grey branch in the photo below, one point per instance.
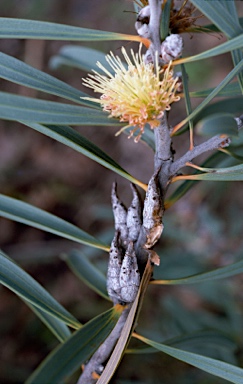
(163, 154)
(154, 24)
(209, 145)
(95, 365)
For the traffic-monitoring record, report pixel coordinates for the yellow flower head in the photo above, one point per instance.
(137, 94)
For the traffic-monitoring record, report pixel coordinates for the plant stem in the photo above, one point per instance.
(96, 364)
(219, 141)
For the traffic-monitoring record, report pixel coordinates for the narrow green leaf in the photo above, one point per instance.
(165, 20)
(56, 326)
(28, 214)
(212, 28)
(230, 7)
(87, 272)
(18, 72)
(215, 367)
(237, 56)
(13, 107)
(233, 154)
(218, 123)
(230, 90)
(218, 13)
(78, 57)
(73, 139)
(235, 43)
(187, 185)
(68, 357)
(223, 13)
(20, 282)
(206, 340)
(233, 104)
(32, 29)
(219, 174)
(187, 99)
(137, 5)
(219, 273)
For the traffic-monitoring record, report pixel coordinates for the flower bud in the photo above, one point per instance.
(171, 48)
(142, 23)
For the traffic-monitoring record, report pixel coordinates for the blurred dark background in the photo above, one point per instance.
(202, 231)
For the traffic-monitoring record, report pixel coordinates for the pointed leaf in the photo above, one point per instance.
(87, 272)
(203, 109)
(20, 282)
(73, 139)
(18, 72)
(232, 89)
(219, 273)
(13, 107)
(33, 29)
(68, 357)
(235, 43)
(216, 367)
(56, 326)
(232, 106)
(210, 341)
(212, 28)
(218, 13)
(187, 185)
(28, 214)
(165, 20)
(215, 124)
(217, 174)
(79, 57)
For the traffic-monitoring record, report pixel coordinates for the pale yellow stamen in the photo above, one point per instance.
(136, 94)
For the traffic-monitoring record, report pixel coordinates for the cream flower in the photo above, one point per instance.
(137, 94)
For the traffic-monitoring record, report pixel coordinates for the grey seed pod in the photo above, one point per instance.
(129, 276)
(134, 213)
(171, 48)
(144, 15)
(114, 268)
(120, 215)
(152, 212)
(142, 23)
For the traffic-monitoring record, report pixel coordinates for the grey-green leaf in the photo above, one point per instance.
(230, 90)
(218, 13)
(218, 123)
(233, 106)
(219, 273)
(19, 108)
(32, 29)
(56, 326)
(228, 46)
(78, 57)
(234, 173)
(17, 210)
(18, 72)
(87, 272)
(216, 367)
(68, 357)
(20, 282)
(73, 139)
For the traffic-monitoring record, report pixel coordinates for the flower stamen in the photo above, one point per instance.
(137, 93)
